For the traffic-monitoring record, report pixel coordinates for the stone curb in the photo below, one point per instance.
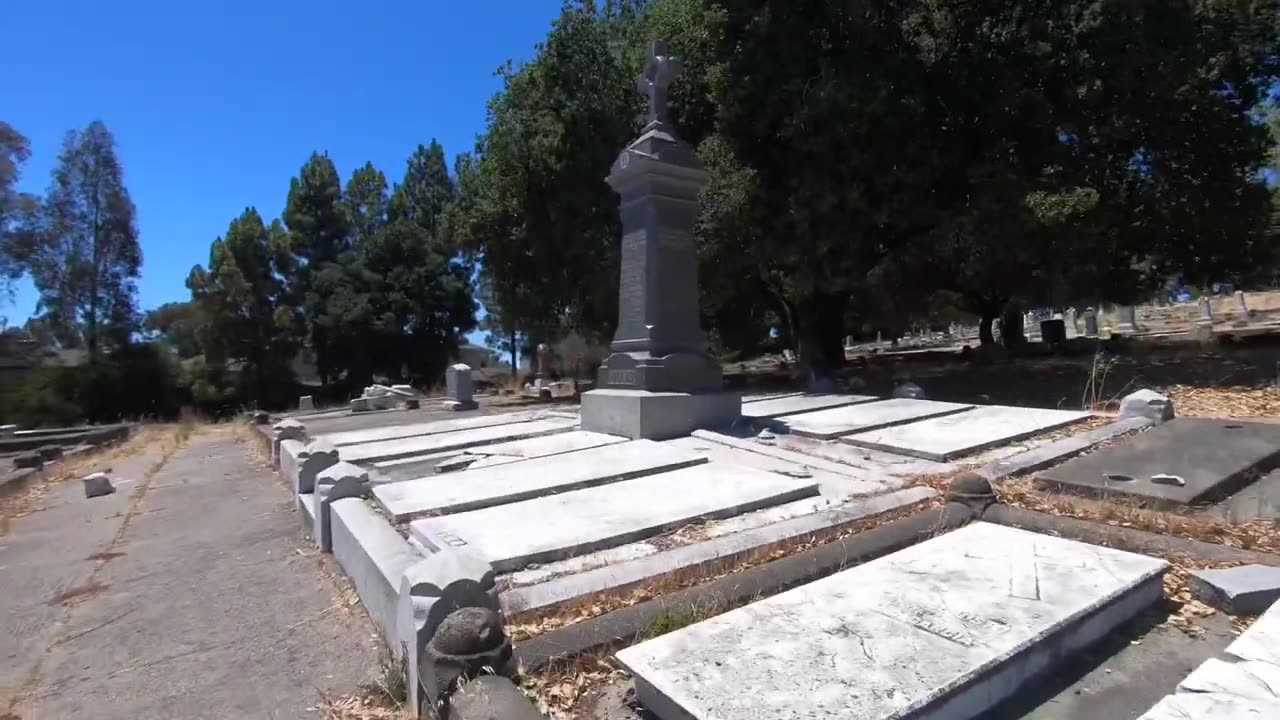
(1139, 541)
(626, 624)
(1055, 452)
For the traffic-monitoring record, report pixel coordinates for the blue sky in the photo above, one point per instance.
(216, 105)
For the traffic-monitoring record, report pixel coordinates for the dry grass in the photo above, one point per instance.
(1231, 402)
(558, 689)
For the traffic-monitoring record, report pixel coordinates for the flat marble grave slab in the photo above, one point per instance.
(943, 629)
(946, 438)
(560, 526)
(557, 444)
(792, 404)
(374, 434)
(485, 487)
(834, 422)
(456, 440)
(1212, 457)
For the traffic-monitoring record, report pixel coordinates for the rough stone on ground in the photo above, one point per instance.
(97, 485)
(1244, 590)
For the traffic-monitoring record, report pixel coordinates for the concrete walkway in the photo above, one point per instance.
(189, 593)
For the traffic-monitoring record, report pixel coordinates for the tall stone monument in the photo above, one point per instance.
(659, 382)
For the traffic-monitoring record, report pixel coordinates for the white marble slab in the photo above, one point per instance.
(946, 628)
(831, 485)
(1255, 680)
(946, 438)
(1211, 706)
(746, 399)
(474, 489)
(559, 526)
(374, 434)
(557, 444)
(1262, 640)
(832, 423)
(791, 404)
(872, 465)
(456, 440)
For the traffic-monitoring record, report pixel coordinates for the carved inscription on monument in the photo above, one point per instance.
(622, 377)
(631, 300)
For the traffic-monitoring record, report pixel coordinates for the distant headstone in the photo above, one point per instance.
(1090, 323)
(1206, 312)
(909, 390)
(1072, 322)
(848, 341)
(1053, 331)
(1126, 320)
(457, 380)
(306, 402)
(1242, 308)
(659, 380)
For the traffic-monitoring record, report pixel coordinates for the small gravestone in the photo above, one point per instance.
(1090, 323)
(97, 484)
(1206, 312)
(1148, 404)
(659, 381)
(458, 383)
(1072, 323)
(306, 402)
(1053, 331)
(1126, 321)
(1242, 309)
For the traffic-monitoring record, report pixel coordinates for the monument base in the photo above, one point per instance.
(459, 405)
(638, 414)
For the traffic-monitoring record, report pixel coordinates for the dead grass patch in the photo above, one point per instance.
(1225, 402)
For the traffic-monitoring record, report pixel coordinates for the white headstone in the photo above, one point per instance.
(458, 382)
(1090, 322)
(1126, 320)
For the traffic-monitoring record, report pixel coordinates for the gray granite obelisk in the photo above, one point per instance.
(659, 382)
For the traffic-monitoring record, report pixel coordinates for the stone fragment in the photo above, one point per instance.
(491, 697)
(28, 460)
(97, 484)
(1148, 404)
(1245, 590)
(971, 489)
(468, 642)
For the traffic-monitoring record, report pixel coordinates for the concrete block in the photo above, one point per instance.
(946, 628)
(1147, 404)
(97, 484)
(1245, 590)
(571, 523)
(287, 429)
(374, 556)
(485, 487)
(334, 483)
(640, 414)
(290, 460)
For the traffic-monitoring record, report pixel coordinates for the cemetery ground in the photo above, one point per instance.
(189, 592)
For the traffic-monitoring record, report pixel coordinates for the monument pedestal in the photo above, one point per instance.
(640, 414)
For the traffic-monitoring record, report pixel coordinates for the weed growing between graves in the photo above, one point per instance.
(527, 625)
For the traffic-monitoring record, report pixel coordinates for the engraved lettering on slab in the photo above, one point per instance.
(622, 377)
(451, 539)
(631, 291)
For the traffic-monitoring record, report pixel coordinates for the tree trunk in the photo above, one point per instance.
(1011, 330)
(985, 336)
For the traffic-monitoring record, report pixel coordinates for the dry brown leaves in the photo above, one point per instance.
(1230, 402)
(360, 706)
(558, 690)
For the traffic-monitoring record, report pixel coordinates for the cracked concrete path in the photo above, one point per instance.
(189, 593)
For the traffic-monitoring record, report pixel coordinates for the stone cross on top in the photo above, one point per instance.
(659, 71)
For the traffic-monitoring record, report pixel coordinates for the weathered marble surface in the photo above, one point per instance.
(826, 424)
(456, 440)
(792, 404)
(558, 526)
(962, 620)
(946, 438)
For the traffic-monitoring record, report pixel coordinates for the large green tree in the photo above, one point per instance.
(16, 208)
(241, 299)
(84, 255)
